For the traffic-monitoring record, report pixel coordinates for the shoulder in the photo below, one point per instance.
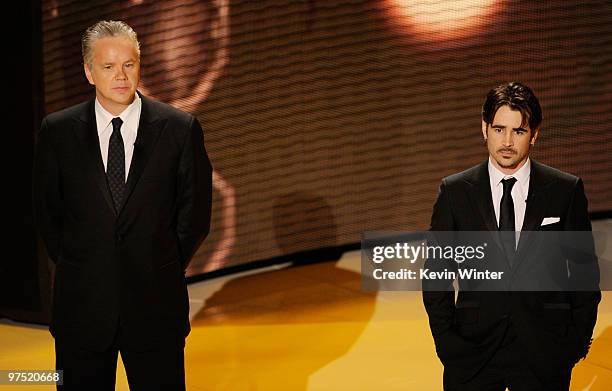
(471, 175)
(179, 124)
(57, 126)
(167, 112)
(548, 175)
(68, 114)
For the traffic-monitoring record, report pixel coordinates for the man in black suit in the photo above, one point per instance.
(515, 338)
(122, 191)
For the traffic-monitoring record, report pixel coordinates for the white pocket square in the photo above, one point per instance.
(550, 220)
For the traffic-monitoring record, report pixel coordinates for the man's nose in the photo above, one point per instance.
(120, 74)
(508, 141)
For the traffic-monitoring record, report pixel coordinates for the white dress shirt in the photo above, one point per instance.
(520, 191)
(129, 130)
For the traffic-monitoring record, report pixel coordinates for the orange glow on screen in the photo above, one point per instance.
(440, 21)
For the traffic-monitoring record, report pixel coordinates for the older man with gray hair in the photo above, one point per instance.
(122, 196)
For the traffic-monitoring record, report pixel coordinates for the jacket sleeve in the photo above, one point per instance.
(194, 193)
(583, 269)
(439, 299)
(47, 193)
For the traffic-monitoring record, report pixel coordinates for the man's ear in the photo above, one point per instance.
(484, 130)
(534, 137)
(88, 75)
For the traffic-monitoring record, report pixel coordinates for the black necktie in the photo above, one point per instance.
(506, 219)
(115, 171)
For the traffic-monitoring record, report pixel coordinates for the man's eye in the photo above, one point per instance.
(498, 130)
(107, 67)
(129, 65)
(519, 132)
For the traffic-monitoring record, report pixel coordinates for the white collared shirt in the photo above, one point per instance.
(129, 130)
(520, 192)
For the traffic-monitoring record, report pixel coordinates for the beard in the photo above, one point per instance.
(511, 162)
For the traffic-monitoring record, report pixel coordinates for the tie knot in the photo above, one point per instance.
(508, 183)
(117, 121)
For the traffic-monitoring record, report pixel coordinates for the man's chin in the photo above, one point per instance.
(507, 163)
(124, 98)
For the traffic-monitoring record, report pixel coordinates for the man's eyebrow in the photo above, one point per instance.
(124, 62)
(503, 127)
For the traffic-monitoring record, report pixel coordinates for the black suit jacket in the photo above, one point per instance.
(128, 266)
(555, 327)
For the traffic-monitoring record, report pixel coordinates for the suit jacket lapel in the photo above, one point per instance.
(149, 128)
(482, 200)
(86, 131)
(534, 211)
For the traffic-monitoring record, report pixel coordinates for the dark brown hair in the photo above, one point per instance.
(518, 97)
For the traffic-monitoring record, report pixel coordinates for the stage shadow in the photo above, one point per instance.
(274, 329)
(595, 372)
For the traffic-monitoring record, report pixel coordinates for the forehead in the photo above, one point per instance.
(505, 116)
(114, 48)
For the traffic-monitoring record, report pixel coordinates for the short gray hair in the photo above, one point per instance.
(103, 29)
